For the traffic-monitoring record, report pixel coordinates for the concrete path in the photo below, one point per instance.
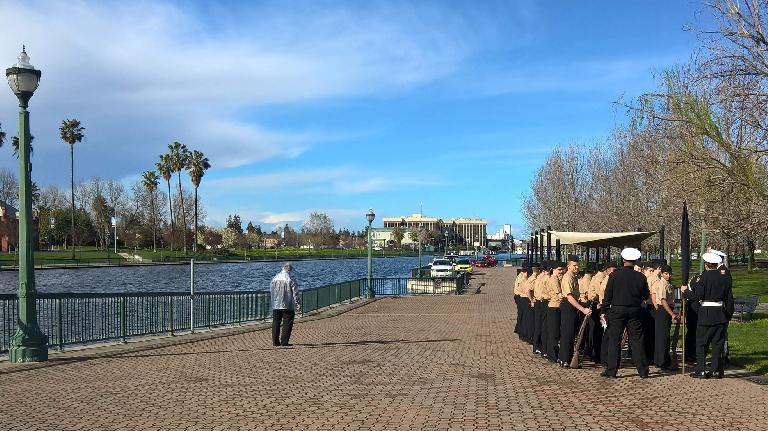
(443, 362)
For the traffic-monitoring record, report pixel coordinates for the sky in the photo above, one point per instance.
(336, 106)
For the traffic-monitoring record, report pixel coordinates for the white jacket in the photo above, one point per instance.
(285, 292)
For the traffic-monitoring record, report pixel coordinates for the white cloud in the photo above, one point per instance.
(140, 75)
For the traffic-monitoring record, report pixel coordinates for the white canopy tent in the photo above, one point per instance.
(600, 239)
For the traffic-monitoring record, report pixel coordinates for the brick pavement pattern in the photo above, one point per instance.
(435, 362)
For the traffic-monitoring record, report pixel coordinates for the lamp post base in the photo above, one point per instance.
(370, 294)
(26, 348)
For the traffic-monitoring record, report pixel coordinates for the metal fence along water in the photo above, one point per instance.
(83, 318)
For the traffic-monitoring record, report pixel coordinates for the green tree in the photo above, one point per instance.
(150, 181)
(164, 167)
(234, 223)
(398, 234)
(71, 132)
(179, 159)
(196, 166)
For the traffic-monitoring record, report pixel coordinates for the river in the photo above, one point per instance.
(208, 277)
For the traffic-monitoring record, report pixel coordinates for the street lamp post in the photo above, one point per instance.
(418, 238)
(446, 242)
(28, 344)
(369, 293)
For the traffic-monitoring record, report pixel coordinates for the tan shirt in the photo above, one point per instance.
(663, 290)
(530, 283)
(570, 285)
(520, 284)
(652, 279)
(601, 289)
(539, 287)
(594, 286)
(584, 287)
(554, 291)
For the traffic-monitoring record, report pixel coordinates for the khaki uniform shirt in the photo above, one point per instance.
(539, 291)
(584, 287)
(651, 282)
(594, 286)
(554, 291)
(530, 284)
(663, 290)
(601, 289)
(569, 285)
(519, 284)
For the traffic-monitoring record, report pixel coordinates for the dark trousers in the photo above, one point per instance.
(539, 314)
(629, 318)
(595, 336)
(528, 320)
(648, 314)
(519, 321)
(661, 344)
(568, 320)
(706, 335)
(691, 322)
(286, 318)
(552, 333)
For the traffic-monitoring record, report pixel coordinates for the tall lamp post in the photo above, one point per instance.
(369, 291)
(28, 344)
(446, 242)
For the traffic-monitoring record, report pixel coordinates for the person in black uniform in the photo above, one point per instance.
(713, 288)
(625, 291)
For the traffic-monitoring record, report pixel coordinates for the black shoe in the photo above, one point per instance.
(537, 351)
(276, 344)
(606, 375)
(286, 345)
(701, 375)
(643, 376)
(719, 375)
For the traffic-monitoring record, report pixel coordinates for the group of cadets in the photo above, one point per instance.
(634, 302)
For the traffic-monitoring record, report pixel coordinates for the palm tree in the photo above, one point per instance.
(150, 182)
(178, 156)
(15, 145)
(2, 135)
(71, 131)
(196, 167)
(164, 167)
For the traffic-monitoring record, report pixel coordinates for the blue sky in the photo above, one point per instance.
(338, 106)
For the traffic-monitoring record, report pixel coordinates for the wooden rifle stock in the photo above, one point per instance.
(579, 339)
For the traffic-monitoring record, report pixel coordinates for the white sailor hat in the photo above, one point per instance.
(719, 253)
(712, 258)
(631, 254)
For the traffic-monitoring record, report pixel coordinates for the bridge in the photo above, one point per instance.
(418, 362)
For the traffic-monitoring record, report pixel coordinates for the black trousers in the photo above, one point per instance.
(528, 321)
(595, 336)
(552, 333)
(539, 315)
(519, 321)
(281, 338)
(691, 323)
(568, 321)
(706, 335)
(629, 318)
(661, 344)
(648, 314)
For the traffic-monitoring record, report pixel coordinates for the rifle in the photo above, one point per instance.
(579, 339)
(673, 345)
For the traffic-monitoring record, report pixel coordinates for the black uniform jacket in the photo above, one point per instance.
(626, 287)
(713, 285)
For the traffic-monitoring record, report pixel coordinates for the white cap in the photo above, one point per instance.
(631, 254)
(719, 253)
(712, 258)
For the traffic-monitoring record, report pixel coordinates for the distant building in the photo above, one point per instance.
(502, 233)
(9, 227)
(463, 232)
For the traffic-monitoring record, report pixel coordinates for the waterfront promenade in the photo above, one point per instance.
(432, 362)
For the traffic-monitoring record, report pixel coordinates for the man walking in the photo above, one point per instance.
(625, 292)
(285, 303)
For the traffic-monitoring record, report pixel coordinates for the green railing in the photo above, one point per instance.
(84, 318)
(418, 285)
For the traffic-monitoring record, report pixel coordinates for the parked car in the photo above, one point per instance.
(490, 260)
(479, 263)
(441, 268)
(463, 265)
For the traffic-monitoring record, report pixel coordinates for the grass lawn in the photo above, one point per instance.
(748, 343)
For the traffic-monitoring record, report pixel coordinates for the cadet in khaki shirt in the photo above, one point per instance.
(553, 310)
(584, 281)
(528, 315)
(540, 310)
(518, 294)
(570, 310)
(662, 292)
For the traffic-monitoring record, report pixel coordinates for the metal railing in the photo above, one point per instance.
(83, 318)
(417, 286)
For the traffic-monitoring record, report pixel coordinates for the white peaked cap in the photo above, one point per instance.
(719, 253)
(712, 258)
(631, 254)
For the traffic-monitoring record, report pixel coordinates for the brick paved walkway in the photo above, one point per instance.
(445, 362)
